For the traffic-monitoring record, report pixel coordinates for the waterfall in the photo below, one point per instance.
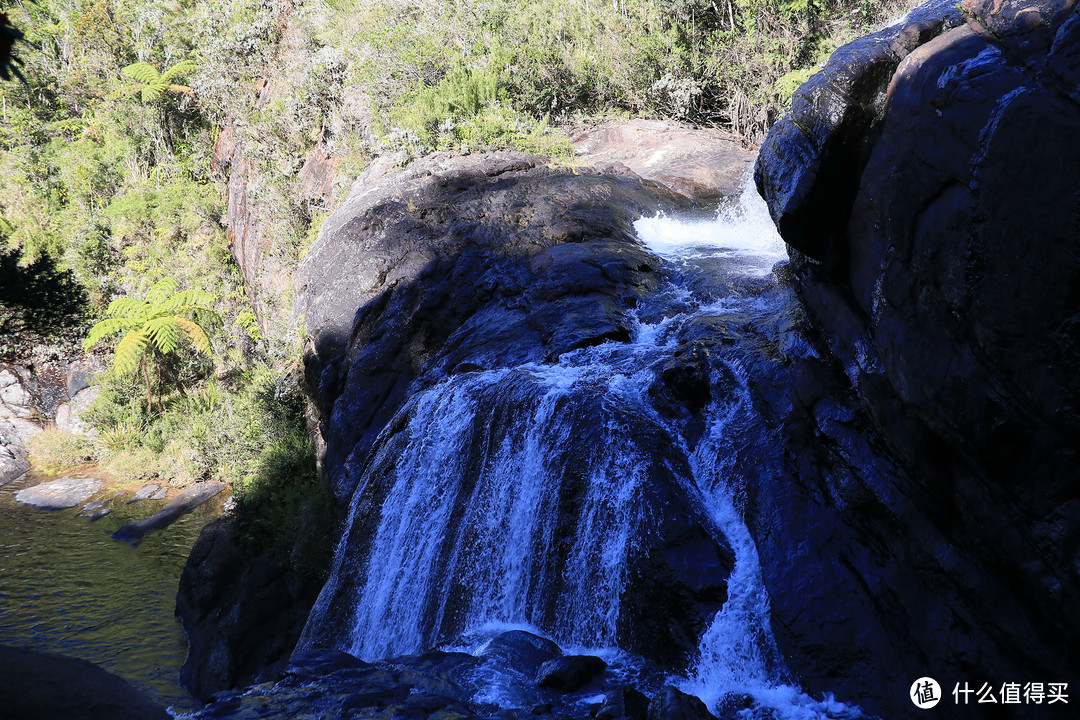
(518, 497)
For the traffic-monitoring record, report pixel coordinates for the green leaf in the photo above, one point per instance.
(107, 327)
(130, 351)
(142, 72)
(196, 334)
(181, 68)
(164, 333)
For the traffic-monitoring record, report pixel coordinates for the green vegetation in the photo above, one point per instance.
(152, 329)
(151, 84)
(53, 448)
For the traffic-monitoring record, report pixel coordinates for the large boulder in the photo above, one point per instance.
(926, 182)
(42, 686)
(489, 262)
(704, 164)
(241, 612)
(65, 492)
(532, 260)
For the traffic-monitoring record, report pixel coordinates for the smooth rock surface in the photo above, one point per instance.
(13, 455)
(143, 493)
(703, 164)
(521, 650)
(58, 494)
(241, 613)
(931, 204)
(624, 704)
(673, 704)
(568, 673)
(42, 686)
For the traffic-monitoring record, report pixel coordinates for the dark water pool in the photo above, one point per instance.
(67, 587)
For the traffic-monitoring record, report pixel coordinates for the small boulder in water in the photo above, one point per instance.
(521, 650)
(569, 672)
(59, 494)
(673, 704)
(95, 510)
(186, 501)
(143, 493)
(624, 704)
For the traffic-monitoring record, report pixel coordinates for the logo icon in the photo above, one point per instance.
(925, 693)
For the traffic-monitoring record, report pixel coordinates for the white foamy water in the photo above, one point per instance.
(744, 230)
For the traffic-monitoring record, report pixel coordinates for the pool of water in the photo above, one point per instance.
(67, 587)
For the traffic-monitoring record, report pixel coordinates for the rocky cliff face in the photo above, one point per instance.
(450, 265)
(926, 181)
(459, 265)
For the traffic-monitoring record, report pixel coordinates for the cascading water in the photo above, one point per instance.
(524, 496)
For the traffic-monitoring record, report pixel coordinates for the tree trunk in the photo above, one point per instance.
(159, 408)
(149, 395)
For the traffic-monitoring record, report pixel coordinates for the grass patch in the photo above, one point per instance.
(54, 450)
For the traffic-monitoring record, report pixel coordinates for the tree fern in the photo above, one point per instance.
(154, 325)
(151, 84)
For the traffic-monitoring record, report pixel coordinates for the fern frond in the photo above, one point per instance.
(164, 332)
(130, 351)
(196, 334)
(151, 92)
(187, 301)
(125, 90)
(183, 89)
(107, 327)
(161, 291)
(126, 307)
(181, 68)
(142, 73)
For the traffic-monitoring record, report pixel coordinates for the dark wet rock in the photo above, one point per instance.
(457, 263)
(703, 164)
(436, 684)
(624, 703)
(189, 499)
(521, 650)
(242, 613)
(42, 686)
(66, 492)
(673, 704)
(569, 673)
(330, 683)
(934, 514)
(813, 155)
